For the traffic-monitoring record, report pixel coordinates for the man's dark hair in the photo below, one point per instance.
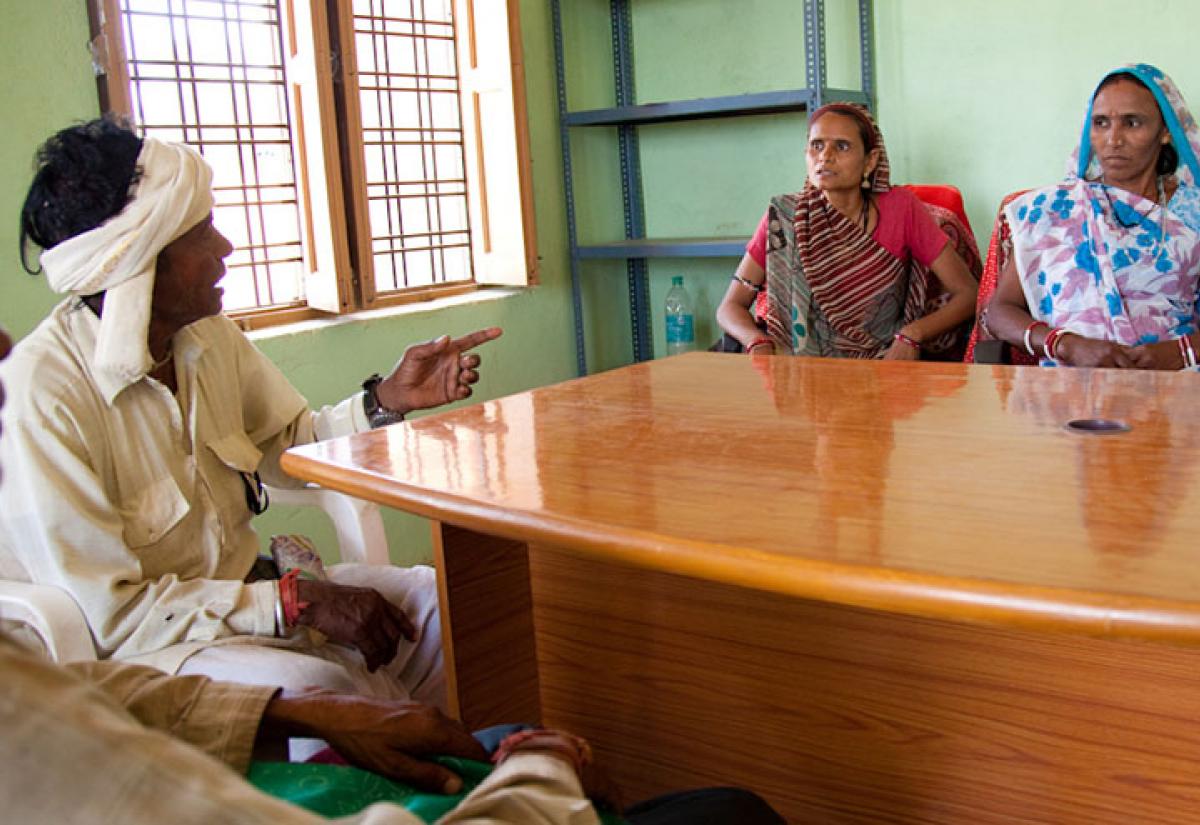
(83, 177)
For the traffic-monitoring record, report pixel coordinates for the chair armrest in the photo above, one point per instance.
(53, 614)
(992, 352)
(358, 523)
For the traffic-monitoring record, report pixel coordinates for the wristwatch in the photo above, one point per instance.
(377, 414)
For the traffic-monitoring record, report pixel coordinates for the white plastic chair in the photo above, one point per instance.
(358, 524)
(57, 618)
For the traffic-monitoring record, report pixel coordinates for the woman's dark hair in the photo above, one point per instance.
(866, 129)
(83, 177)
(1168, 157)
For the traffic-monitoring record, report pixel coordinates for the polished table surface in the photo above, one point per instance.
(943, 491)
(872, 592)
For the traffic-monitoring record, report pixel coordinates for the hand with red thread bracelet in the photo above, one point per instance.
(903, 348)
(762, 341)
(573, 748)
(350, 615)
(597, 785)
(289, 597)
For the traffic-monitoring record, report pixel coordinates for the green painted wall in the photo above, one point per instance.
(986, 95)
(47, 84)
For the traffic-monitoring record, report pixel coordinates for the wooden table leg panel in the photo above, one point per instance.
(487, 627)
(844, 715)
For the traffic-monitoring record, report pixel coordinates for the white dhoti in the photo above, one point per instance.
(415, 673)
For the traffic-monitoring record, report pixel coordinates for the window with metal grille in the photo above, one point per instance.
(346, 139)
(210, 73)
(412, 142)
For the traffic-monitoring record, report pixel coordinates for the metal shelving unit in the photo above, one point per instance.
(627, 115)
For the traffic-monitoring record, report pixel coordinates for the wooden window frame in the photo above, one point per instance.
(331, 184)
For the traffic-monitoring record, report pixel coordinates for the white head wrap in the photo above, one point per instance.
(173, 194)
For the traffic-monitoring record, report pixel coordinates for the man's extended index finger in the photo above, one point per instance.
(474, 339)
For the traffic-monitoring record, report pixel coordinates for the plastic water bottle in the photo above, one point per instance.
(680, 321)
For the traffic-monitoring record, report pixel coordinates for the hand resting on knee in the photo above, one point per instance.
(356, 616)
(386, 737)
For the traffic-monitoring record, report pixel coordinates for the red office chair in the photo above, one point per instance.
(943, 195)
(981, 348)
(945, 203)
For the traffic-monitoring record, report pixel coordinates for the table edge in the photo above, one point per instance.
(954, 598)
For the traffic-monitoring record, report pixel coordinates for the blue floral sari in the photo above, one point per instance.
(1109, 264)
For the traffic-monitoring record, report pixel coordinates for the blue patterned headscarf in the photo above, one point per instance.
(1185, 135)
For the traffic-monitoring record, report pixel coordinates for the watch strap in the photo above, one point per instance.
(377, 414)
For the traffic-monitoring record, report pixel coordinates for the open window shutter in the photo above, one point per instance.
(308, 60)
(108, 57)
(503, 243)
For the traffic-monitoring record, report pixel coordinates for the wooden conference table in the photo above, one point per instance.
(873, 592)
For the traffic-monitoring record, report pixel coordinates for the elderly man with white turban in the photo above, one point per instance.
(139, 417)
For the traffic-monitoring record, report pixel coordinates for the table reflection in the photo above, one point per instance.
(1130, 483)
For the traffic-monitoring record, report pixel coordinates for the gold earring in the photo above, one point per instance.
(866, 183)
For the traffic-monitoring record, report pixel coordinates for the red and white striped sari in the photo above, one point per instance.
(834, 291)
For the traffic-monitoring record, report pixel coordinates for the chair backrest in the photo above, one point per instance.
(943, 195)
(358, 524)
(997, 257)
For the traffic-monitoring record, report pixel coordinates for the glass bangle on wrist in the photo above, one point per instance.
(280, 618)
(761, 341)
(1028, 337)
(377, 414)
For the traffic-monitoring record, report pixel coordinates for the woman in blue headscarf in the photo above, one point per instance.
(1106, 264)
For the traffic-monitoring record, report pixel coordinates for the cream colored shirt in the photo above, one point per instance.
(113, 742)
(131, 498)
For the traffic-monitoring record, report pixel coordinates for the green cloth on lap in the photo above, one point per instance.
(341, 790)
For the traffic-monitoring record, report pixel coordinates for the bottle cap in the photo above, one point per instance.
(677, 280)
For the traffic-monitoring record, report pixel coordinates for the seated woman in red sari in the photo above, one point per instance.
(845, 263)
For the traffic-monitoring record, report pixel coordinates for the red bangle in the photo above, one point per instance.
(289, 594)
(1048, 343)
(758, 342)
(1187, 351)
(1051, 341)
(900, 336)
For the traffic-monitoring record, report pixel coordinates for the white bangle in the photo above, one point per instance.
(1029, 336)
(280, 619)
(1189, 352)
